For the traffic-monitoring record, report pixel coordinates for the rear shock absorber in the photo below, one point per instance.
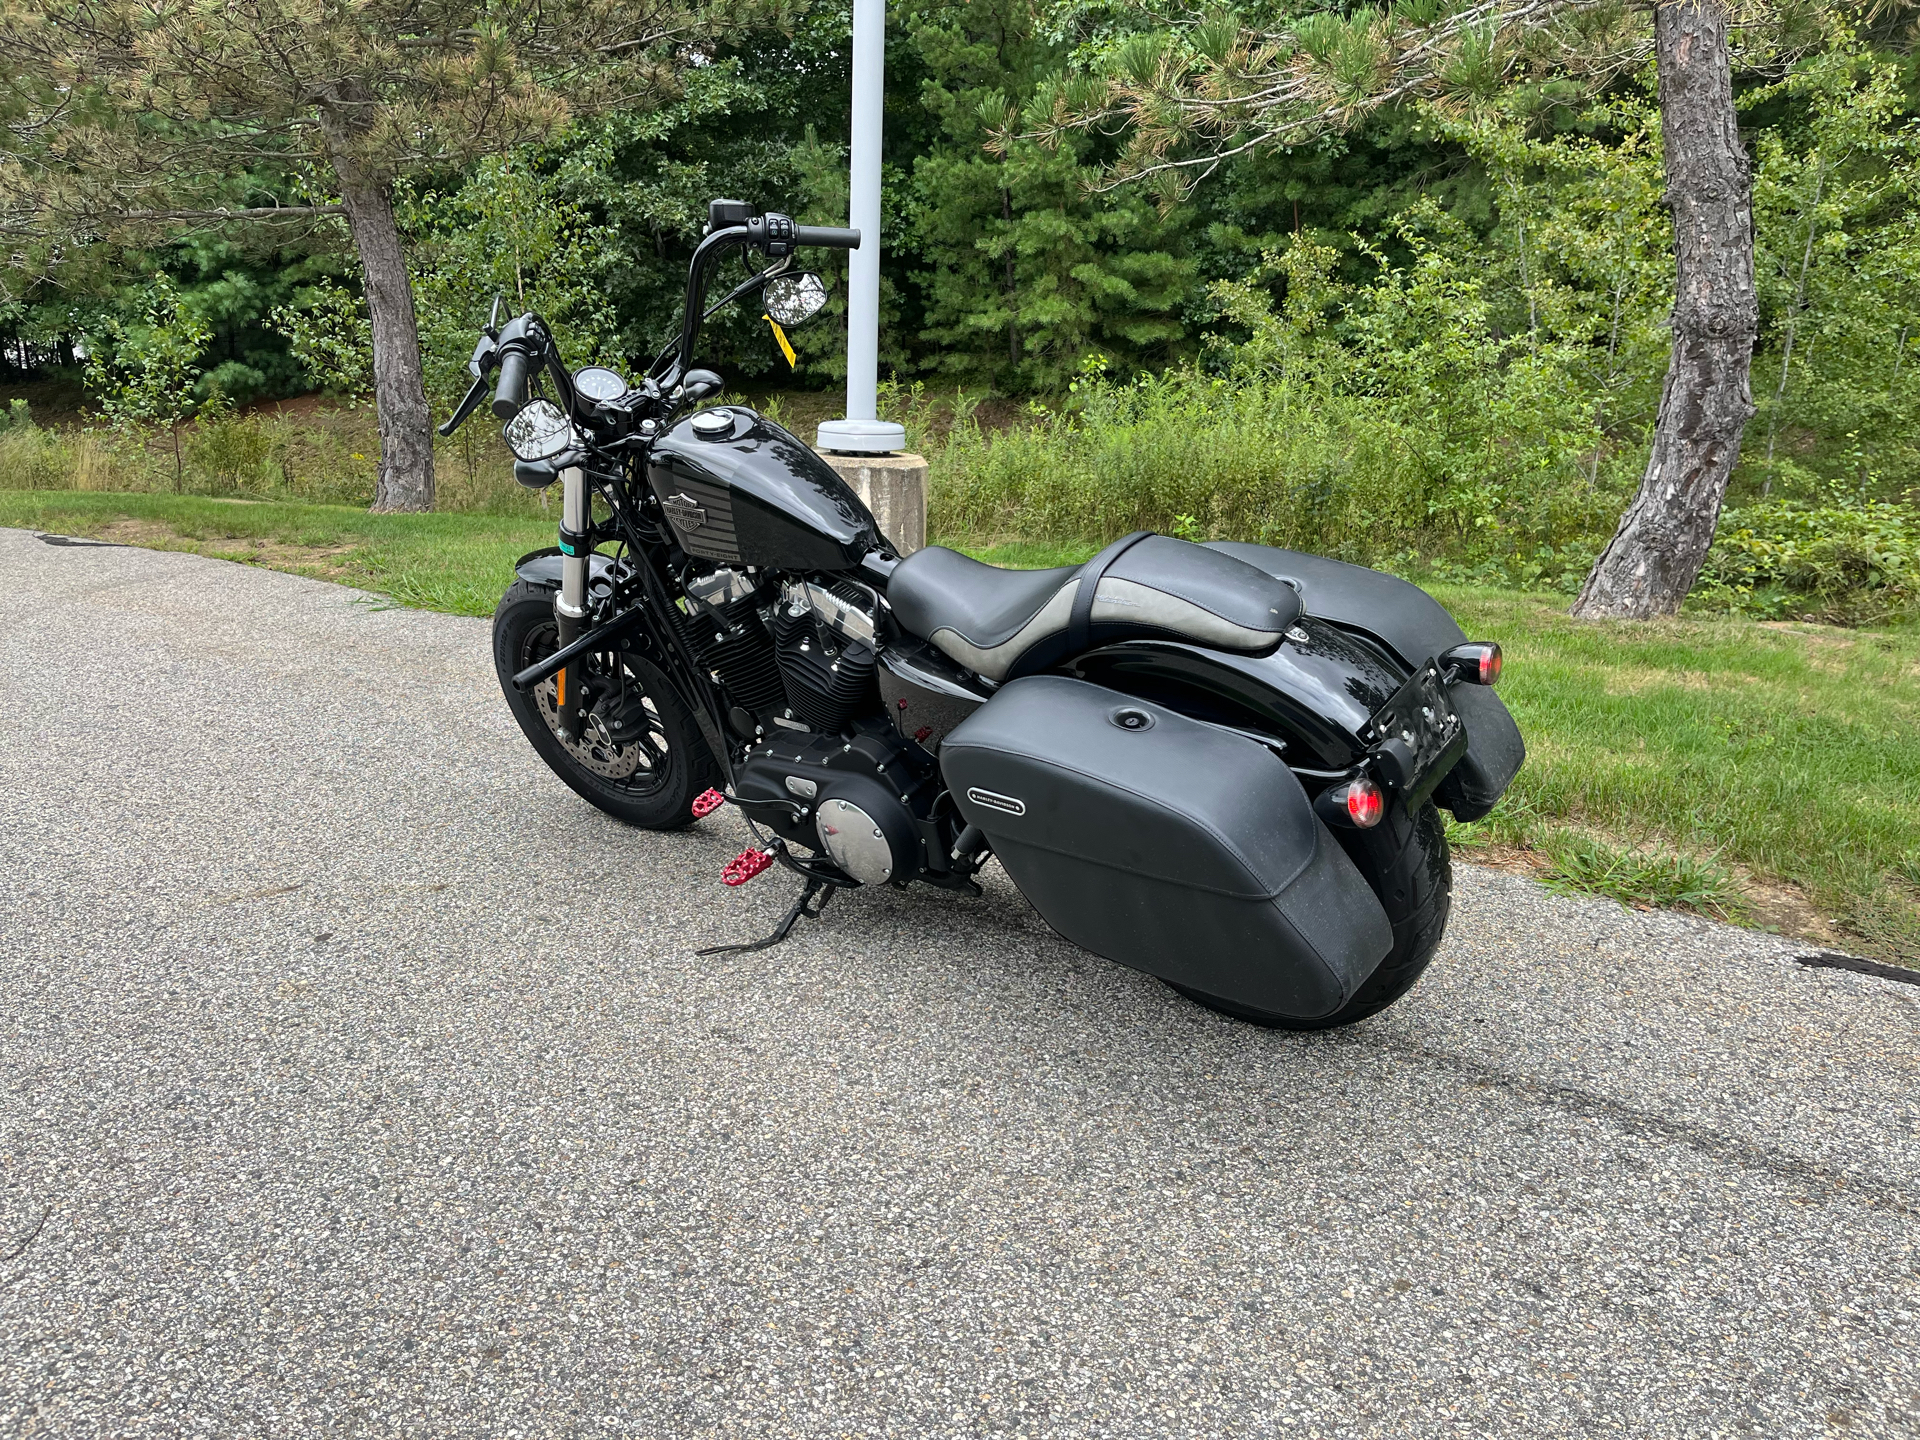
(570, 605)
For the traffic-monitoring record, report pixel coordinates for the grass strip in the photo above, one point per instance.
(450, 562)
(1790, 751)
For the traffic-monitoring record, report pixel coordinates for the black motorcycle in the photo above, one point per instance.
(1221, 764)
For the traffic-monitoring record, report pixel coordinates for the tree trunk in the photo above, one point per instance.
(399, 383)
(1653, 558)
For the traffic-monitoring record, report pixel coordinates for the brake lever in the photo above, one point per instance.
(484, 348)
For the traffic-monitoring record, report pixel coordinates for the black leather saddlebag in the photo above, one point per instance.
(1166, 844)
(1415, 627)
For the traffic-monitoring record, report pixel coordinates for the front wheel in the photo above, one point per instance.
(1406, 862)
(642, 758)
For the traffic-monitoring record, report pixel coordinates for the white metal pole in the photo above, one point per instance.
(862, 432)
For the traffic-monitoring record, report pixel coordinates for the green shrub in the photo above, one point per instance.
(1194, 454)
(232, 454)
(33, 459)
(326, 457)
(1845, 563)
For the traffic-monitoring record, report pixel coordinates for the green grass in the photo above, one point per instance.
(455, 563)
(1028, 554)
(1694, 762)
(1588, 865)
(1790, 751)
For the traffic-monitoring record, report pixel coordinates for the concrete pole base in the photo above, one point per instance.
(894, 488)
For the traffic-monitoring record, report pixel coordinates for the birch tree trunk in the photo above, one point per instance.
(399, 382)
(1661, 543)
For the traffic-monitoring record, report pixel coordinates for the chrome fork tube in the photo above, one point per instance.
(570, 605)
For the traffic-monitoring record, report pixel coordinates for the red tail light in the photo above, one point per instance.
(1477, 662)
(1365, 804)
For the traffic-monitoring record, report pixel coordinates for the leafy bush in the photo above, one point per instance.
(1396, 419)
(1845, 562)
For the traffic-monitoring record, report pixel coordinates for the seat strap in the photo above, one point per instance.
(1080, 622)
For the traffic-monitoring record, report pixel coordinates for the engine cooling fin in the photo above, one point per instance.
(829, 679)
(734, 645)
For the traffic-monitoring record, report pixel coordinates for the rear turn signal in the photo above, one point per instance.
(1365, 804)
(1477, 662)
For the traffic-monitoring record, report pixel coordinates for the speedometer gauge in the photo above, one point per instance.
(596, 382)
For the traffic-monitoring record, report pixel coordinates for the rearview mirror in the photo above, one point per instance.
(795, 299)
(539, 432)
(698, 385)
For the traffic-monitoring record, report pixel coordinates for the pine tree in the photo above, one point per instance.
(138, 111)
(1026, 270)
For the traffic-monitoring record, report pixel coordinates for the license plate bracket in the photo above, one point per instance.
(1417, 736)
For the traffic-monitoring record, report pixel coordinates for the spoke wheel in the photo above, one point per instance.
(640, 756)
(624, 738)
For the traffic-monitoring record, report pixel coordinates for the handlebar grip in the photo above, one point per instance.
(826, 236)
(511, 393)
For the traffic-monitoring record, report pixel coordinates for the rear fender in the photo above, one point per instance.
(1318, 694)
(1412, 627)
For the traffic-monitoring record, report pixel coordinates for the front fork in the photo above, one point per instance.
(570, 605)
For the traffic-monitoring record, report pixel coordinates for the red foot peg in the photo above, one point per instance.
(744, 866)
(706, 803)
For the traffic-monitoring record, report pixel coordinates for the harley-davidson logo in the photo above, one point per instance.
(993, 800)
(684, 511)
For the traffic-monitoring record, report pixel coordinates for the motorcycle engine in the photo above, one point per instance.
(826, 771)
(814, 670)
(732, 643)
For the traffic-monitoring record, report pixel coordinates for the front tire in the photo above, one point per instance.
(643, 759)
(1407, 863)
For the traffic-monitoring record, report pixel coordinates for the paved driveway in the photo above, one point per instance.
(359, 1080)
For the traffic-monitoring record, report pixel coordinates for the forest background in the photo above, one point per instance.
(1434, 341)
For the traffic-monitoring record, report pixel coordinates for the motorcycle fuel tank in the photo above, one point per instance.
(738, 488)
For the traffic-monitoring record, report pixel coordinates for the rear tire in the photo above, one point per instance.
(1406, 861)
(652, 780)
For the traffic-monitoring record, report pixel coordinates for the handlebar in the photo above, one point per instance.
(827, 237)
(524, 342)
(731, 226)
(511, 393)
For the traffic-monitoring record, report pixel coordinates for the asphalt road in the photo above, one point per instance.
(359, 1080)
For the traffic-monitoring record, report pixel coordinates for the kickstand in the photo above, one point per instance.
(785, 927)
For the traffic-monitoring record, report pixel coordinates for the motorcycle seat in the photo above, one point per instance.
(1002, 624)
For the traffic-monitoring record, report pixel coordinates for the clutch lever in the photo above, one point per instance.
(468, 404)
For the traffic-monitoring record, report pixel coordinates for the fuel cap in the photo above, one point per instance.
(713, 422)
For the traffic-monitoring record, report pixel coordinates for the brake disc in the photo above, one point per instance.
(595, 750)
